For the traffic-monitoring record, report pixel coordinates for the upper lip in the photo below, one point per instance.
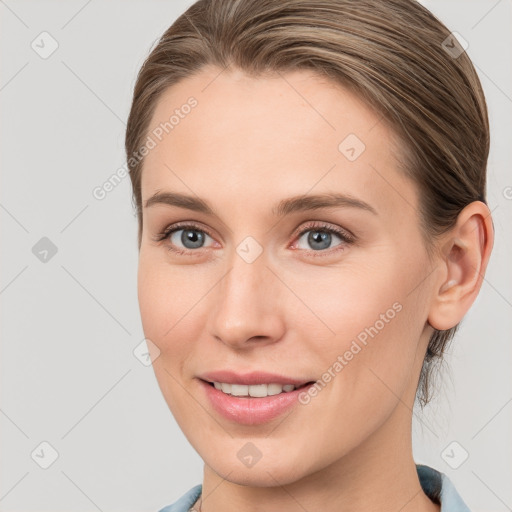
(255, 377)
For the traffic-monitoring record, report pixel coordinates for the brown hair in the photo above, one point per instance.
(394, 54)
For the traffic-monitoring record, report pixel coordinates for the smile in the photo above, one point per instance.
(252, 404)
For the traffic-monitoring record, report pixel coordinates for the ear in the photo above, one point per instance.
(464, 257)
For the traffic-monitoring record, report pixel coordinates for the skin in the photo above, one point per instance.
(248, 144)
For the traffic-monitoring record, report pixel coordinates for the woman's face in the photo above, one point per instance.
(304, 260)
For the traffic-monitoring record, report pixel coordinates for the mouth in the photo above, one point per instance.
(253, 404)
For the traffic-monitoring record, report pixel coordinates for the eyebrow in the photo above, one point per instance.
(284, 207)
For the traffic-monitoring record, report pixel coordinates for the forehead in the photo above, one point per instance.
(283, 133)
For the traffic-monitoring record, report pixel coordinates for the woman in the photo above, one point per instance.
(309, 179)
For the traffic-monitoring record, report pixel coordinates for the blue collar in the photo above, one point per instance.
(438, 487)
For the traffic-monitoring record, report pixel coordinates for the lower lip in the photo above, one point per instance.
(251, 410)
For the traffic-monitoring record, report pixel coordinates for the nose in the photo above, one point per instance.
(248, 305)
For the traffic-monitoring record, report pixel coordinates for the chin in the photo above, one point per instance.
(275, 467)
(265, 476)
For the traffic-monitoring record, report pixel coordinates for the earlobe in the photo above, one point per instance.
(464, 261)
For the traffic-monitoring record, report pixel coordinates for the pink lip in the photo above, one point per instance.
(230, 377)
(251, 410)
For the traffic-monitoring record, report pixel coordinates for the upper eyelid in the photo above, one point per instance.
(179, 226)
(309, 226)
(322, 225)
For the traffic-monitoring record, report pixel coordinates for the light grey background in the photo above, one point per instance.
(69, 326)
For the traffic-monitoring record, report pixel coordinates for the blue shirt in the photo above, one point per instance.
(436, 485)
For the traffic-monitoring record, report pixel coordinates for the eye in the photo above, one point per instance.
(184, 238)
(318, 238)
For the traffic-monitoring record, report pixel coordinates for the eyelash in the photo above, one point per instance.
(346, 237)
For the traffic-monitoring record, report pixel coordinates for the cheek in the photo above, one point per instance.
(352, 299)
(368, 362)
(169, 306)
(167, 298)
(374, 321)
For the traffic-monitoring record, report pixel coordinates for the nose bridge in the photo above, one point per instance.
(246, 303)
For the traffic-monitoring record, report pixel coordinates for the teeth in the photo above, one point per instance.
(254, 390)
